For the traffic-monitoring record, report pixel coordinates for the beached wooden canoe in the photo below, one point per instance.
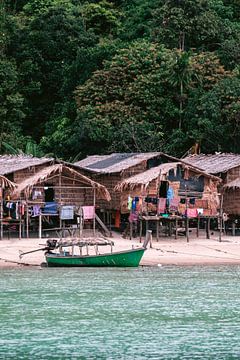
(127, 258)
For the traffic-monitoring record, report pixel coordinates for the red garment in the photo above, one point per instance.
(117, 219)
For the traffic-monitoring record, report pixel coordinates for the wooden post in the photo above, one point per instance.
(40, 226)
(176, 228)
(20, 224)
(198, 225)
(208, 228)
(94, 204)
(140, 231)
(221, 218)
(187, 228)
(149, 237)
(1, 220)
(131, 230)
(27, 221)
(157, 230)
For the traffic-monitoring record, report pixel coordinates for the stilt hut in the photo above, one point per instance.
(226, 166)
(6, 187)
(170, 191)
(109, 170)
(58, 192)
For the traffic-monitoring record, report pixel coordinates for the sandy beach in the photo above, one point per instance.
(167, 251)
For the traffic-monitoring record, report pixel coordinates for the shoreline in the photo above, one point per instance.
(166, 252)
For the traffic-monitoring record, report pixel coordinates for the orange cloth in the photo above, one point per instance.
(117, 219)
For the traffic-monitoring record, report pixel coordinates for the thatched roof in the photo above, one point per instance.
(5, 183)
(145, 178)
(216, 163)
(12, 163)
(117, 162)
(232, 185)
(43, 175)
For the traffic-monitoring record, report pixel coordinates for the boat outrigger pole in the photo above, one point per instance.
(51, 245)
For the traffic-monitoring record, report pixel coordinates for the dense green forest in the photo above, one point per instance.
(83, 77)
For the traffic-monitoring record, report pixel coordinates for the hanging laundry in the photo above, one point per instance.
(192, 213)
(133, 216)
(117, 219)
(88, 212)
(170, 193)
(161, 205)
(130, 202)
(173, 204)
(36, 210)
(67, 212)
(134, 203)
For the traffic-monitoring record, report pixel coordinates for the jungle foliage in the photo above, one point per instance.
(81, 77)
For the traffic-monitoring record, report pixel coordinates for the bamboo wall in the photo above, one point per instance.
(20, 175)
(231, 202)
(67, 193)
(233, 174)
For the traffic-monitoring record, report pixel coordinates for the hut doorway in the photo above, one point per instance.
(163, 188)
(49, 193)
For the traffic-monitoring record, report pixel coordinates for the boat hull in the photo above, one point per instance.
(130, 258)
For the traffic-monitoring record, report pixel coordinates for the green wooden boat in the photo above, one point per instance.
(127, 258)
(56, 256)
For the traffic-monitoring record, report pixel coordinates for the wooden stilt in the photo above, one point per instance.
(1, 220)
(94, 217)
(27, 221)
(20, 224)
(176, 228)
(157, 230)
(198, 225)
(131, 230)
(140, 231)
(208, 228)
(40, 226)
(187, 228)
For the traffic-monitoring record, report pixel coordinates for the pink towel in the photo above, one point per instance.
(174, 204)
(88, 212)
(161, 205)
(192, 213)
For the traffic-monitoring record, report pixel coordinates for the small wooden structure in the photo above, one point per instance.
(60, 186)
(6, 186)
(171, 192)
(109, 170)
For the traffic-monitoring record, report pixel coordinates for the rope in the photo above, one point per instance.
(204, 255)
(18, 263)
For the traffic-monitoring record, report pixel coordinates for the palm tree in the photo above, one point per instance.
(180, 77)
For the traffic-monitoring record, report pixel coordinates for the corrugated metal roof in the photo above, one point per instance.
(216, 163)
(117, 162)
(12, 163)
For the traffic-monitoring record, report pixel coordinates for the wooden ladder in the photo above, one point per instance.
(103, 226)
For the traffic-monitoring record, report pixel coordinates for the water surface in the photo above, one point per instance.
(144, 313)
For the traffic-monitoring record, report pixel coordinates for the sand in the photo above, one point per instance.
(167, 251)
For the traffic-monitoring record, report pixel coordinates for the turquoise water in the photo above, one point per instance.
(144, 313)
